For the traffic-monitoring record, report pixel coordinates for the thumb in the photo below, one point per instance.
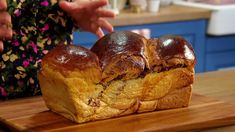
(67, 6)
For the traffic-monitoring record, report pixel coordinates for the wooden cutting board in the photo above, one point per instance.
(32, 115)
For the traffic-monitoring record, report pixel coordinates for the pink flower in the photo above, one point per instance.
(3, 92)
(45, 51)
(38, 61)
(17, 12)
(34, 46)
(45, 28)
(25, 63)
(44, 3)
(30, 58)
(16, 43)
(23, 55)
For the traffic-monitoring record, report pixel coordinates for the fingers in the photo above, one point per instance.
(104, 24)
(5, 32)
(104, 13)
(1, 46)
(95, 4)
(97, 27)
(96, 30)
(5, 26)
(68, 6)
(5, 18)
(88, 14)
(99, 33)
(3, 5)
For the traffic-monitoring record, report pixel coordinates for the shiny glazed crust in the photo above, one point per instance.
(124, 73)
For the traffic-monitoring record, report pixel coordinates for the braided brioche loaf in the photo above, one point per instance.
(123, 73)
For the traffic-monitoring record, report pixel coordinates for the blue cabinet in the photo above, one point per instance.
(193, 31)
(220, 52)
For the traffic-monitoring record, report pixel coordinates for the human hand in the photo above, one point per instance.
(89, 15)
(5, 23)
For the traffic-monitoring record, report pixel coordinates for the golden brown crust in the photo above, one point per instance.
(125, 55)
(70, 58)
(167, 48)
(175, 47)
(118, 43)
(121, 55)
(134, 75)
(73, 61)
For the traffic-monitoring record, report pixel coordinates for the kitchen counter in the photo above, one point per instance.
(219, 85)
(171, 13)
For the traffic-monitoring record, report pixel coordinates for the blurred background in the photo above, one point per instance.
(207, 24)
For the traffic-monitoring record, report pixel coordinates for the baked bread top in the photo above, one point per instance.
(72, 60)
(123, 55)
(126, 55)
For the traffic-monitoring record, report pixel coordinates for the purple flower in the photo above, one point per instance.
(25, 63)
(34, 46)
(30, 58)
(20, 83)
(23, 55)
(21, 33)
(16, 43)
(3, 92)
(45, 28)
(44, 3)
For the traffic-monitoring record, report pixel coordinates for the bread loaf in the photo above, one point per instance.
(123, 73)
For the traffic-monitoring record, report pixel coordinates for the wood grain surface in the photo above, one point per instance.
(166, 14)
(219, 85)
(204, 112)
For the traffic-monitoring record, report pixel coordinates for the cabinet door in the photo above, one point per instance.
(220, 61)
(193, 31)
(220, 52)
